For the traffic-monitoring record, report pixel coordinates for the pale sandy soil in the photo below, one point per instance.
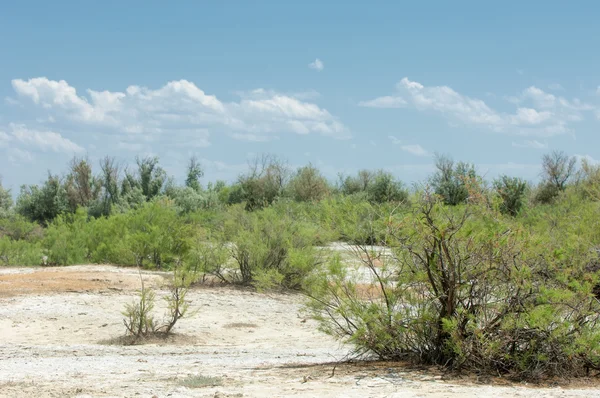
(53, 320)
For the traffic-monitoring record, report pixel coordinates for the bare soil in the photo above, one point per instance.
(60, 330)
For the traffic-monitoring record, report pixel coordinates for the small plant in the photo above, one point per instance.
(139, 321)
(199, 381)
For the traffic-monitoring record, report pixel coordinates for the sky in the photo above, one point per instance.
(343, 85)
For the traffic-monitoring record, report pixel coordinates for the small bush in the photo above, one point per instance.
(139, 320)
(200, 381)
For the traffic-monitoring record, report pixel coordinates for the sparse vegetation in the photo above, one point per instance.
(502, 278)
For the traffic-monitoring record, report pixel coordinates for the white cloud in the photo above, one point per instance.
(42, 140)
(535, 144)
(415, 149)
(529, 116)
(16, 155)
(395, 140)
(179, 107)
(317, 65)
(537, 113)
(4, 139)
(384, 102)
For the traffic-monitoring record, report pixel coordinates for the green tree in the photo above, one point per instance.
(308, 185)
(194, 174)
(451, 180)
(6, 201)
(81, 186)
(385, 188)
(43, 204)
(149, 178)
(264, 182)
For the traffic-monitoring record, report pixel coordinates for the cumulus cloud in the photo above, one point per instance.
(19, 134)
(16, 155)
(537, 113)
(317, 64)
(178, 107)
(384, 102)
(395, 140)
(415, 149)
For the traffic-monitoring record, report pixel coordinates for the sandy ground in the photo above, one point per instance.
(54, 323)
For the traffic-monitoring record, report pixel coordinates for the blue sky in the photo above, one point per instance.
(344, 85)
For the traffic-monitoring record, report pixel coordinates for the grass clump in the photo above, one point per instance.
(201, 381)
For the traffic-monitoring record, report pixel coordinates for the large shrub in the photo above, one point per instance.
(465, 288)
(271, 249)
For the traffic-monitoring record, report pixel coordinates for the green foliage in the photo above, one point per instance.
(65, 239)
(264, 183)
(271, 249)
(155, 236)
(149, 178)
(451, 181)
(233, 195)
(139, 320)
(465, 287)
(81, 187)
(16, 227)
(188, 200)
(511, 191)
(557, 169)
(308, 185)
(19, 252)
(194, 174)
(385, 188)
(360, 183)
(6, 201)
(545, 193)
(200, 381)
(43, 204)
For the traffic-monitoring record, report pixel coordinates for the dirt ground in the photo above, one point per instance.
(55, 324)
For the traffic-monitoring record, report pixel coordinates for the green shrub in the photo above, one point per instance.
(466, 288)
(156, 236)
(512, 194)
(308, 185)
(385, 188)
(271, 249)
(19, 252)
(43, 204)
(452, 181)
(65, 239)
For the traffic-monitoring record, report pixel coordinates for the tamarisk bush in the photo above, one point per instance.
(467, 288)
